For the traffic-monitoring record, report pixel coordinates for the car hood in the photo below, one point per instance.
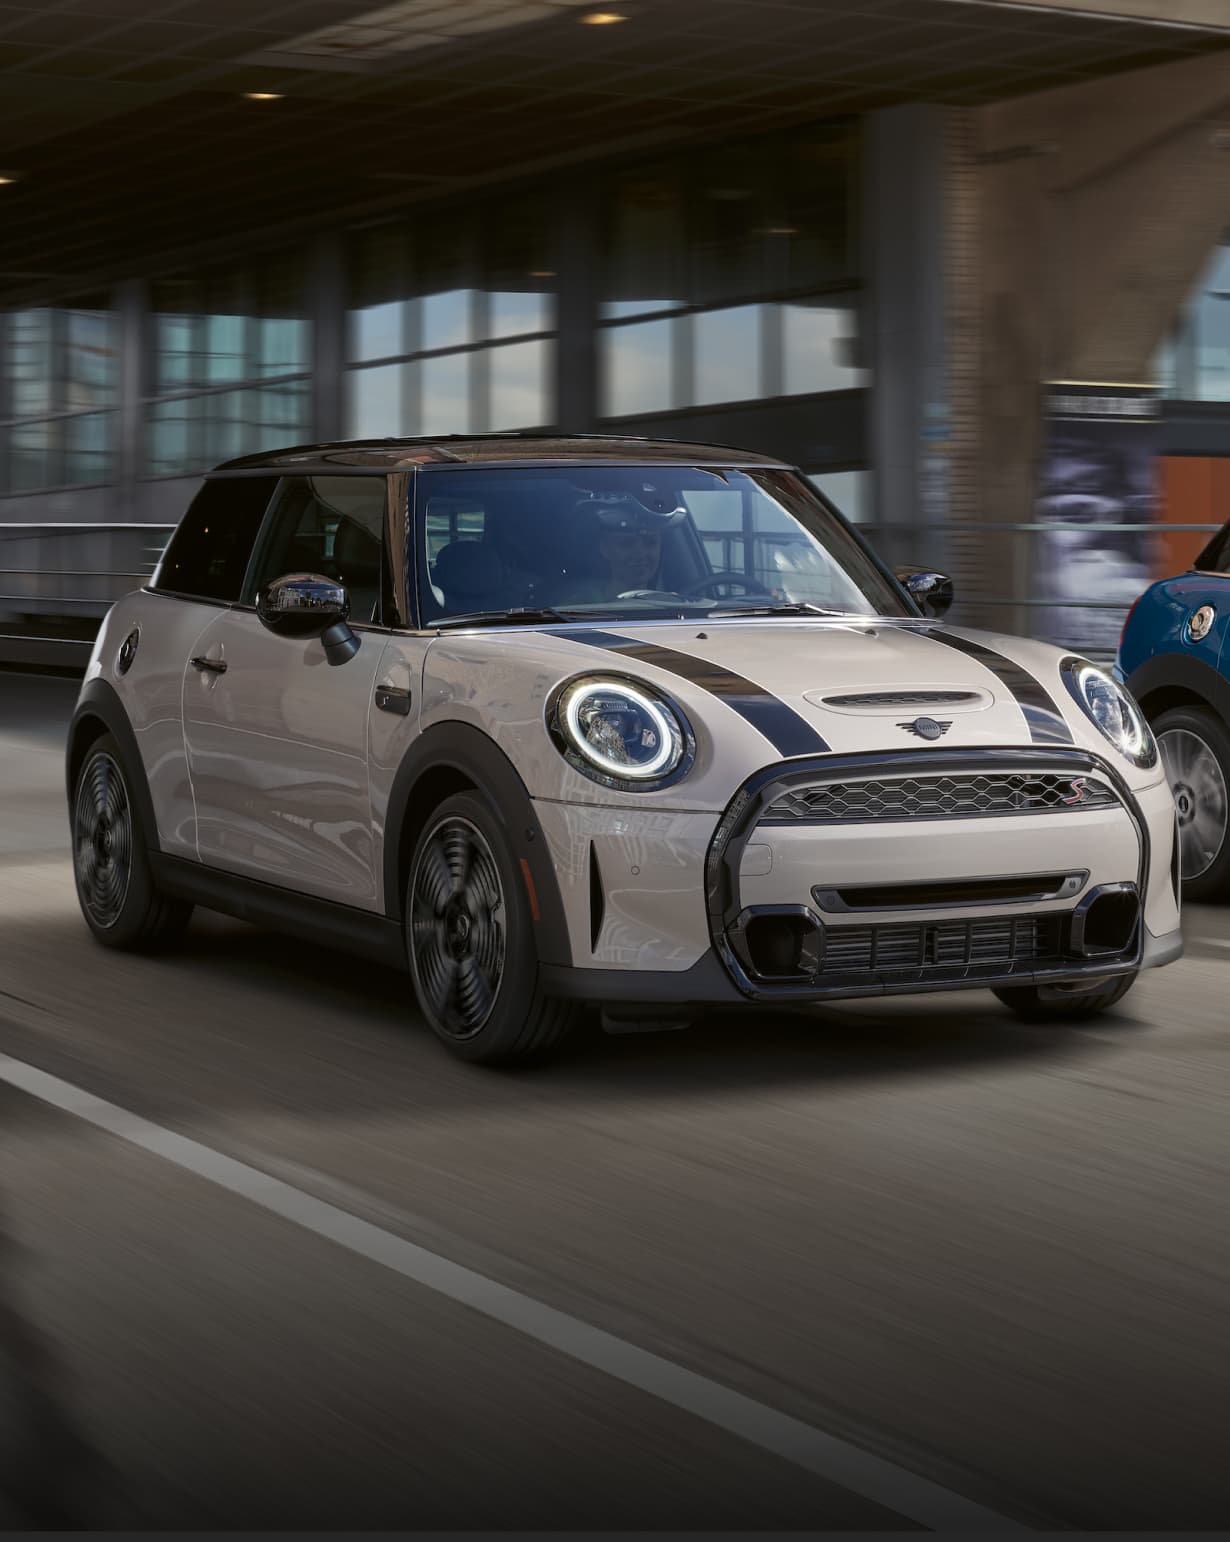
(759, 692)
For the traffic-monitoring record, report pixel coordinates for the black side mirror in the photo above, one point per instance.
(931, 591)
(308, 605)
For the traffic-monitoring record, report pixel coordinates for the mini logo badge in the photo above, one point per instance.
(1077, 784)
(926, 728)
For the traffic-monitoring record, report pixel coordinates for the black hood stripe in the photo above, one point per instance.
(1046, 722)
(789, 733)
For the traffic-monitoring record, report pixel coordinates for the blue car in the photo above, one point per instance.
(1174, 657)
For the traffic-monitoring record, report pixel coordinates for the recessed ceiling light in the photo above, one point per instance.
(263, 96)
(602, 18)
(542, 272)
(9, 176)
(781, 230)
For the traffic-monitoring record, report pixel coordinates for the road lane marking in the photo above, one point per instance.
(837, 1462)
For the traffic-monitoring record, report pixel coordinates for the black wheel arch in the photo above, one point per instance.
(100, 711)
(1174, 680)
(453, 757)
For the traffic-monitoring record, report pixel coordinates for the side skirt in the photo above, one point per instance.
(315, 920)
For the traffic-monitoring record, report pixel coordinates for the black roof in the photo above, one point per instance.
(375, 455)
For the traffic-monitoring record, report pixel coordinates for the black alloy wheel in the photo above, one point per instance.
(470, 940)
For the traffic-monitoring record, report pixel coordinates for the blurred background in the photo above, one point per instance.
(967, 264)
(963, 261)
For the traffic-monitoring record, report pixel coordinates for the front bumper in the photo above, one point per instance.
(683, 907)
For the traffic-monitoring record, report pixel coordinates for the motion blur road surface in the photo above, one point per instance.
(990, 1255)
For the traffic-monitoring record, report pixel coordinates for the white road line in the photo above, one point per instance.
(859, 1472)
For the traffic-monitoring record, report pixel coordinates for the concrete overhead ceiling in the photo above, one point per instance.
(125, 125)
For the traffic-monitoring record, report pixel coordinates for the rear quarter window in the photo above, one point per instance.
(208, 555)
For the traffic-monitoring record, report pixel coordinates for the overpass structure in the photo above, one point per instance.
(866, 235)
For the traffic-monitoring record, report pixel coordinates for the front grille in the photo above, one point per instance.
(967, 795)
(944, 947)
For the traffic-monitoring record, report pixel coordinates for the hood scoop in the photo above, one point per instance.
(901, 700)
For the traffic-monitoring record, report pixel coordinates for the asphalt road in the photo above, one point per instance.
(298, 1269)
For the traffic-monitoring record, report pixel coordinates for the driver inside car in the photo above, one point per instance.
(629, 544)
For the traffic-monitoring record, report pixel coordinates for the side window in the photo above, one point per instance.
(1215, 558)
(332, 525)
(212, 545)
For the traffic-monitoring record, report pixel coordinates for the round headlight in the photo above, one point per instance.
(1111, 710)
(618, 732)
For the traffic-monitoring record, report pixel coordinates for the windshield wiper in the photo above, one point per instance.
(785, 608)
(518, 615)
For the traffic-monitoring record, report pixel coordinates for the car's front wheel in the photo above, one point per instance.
(1064, 1003)
(119, 899)
(1195, 748)
(470, 940)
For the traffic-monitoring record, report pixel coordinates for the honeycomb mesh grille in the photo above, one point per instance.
(959, 796)
(943, 947)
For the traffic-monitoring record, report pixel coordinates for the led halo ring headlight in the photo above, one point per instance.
(1111, 710)
(620, 733)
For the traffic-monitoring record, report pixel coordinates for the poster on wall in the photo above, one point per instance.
(1098, 479)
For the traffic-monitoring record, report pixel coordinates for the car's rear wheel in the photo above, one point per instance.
(115, 887)
(470, 940)
(1064, 1003)
(1195, 749)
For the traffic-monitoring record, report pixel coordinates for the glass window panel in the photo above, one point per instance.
(446, 395)
(521, 395)
(374, 401)
(88, 441)
(819, 344)
(1211, 324)
(377, 331)
(282, 345)
(225, 338)
(212, 545)
(446, 319)
(727, 354)
(281, 338)
(174, 342)
(31, 370)
(31, 457)
(226, 418)
(849, 490)
(167, 437)
(278, 415)
(91, 360)
(510, 312)
(636, 368)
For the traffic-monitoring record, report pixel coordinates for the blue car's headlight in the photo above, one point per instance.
(1111, 710)
(620, 733)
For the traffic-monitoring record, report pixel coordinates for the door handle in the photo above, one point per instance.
(391, 698)
(214, 666)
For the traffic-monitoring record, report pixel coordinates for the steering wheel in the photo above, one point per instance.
(716, 581)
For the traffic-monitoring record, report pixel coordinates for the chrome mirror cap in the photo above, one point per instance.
(302, 604)
(930, 590)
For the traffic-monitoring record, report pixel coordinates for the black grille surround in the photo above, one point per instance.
(972, 795)
(861, 959)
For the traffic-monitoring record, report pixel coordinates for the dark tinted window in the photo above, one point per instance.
(328, 525)
(1215, 558)
(209, 552)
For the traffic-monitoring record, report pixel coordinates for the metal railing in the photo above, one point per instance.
(50, 609)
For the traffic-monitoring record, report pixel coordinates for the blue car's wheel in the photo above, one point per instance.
(1195, 748)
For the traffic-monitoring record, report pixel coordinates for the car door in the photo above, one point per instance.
(275, 734)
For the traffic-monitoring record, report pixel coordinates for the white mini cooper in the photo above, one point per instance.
(552, 722)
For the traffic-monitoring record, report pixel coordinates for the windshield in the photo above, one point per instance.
(635, 543)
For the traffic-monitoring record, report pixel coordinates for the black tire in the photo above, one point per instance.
(115, 887)
(470, 940)
(1195, 748)
(1064, 1004)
